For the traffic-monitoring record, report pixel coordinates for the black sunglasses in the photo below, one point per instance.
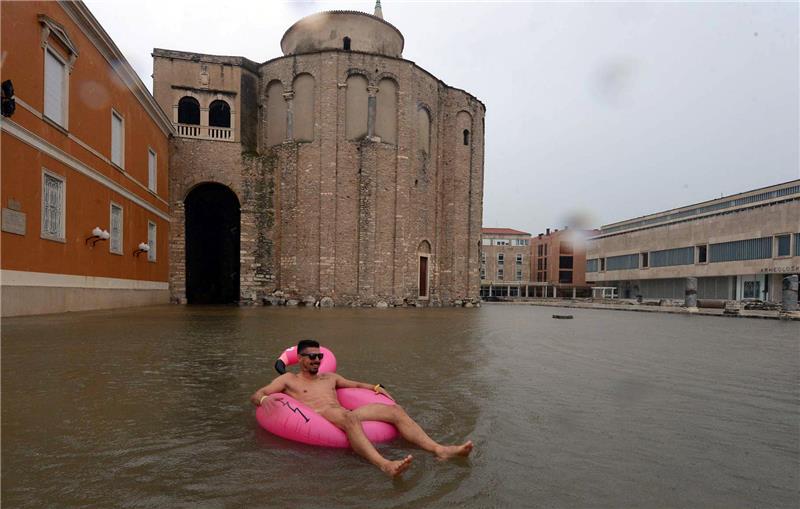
(313, 356)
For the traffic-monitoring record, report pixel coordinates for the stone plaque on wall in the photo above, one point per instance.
(13, 221)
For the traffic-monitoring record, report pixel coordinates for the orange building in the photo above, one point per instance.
(85, 152)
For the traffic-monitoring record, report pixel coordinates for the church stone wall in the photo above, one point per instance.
(342, 185)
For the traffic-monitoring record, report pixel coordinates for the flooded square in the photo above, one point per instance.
(149, 408)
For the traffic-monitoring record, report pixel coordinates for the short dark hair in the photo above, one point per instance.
(306, 343)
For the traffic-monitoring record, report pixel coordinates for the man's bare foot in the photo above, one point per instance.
(447, 452)
(396, 468)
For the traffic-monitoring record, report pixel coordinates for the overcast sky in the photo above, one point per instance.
(600, 111)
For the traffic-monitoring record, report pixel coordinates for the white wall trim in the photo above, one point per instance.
(56, 153)
(23, 278)
(94, 152)
(93, 31)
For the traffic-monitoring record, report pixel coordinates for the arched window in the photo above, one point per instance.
(188, 111)
(386, 111)
(466, 136)
(276, 114)
(356, 110)
(424, 129)
(303, 86)
(346, 43)
(219, 114)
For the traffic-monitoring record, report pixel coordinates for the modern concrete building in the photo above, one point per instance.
(339, 172)
(738, 247)
(84, 160)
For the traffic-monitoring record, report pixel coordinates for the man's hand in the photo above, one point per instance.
(383, 391)
(271, 404)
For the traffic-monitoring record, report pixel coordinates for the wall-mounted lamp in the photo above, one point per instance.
(143, 248)
(98, 235)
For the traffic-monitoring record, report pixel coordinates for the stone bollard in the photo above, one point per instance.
(690, 300)
(790, 284)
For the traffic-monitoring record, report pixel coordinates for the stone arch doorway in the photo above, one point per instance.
(212, 245)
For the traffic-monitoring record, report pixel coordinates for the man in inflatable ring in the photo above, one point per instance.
(318, 391)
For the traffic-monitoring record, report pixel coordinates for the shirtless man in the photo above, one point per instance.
(318, 391)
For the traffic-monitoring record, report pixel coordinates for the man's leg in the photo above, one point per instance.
(347, 422)
(409, 429)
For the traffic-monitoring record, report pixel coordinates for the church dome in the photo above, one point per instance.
(343, 30)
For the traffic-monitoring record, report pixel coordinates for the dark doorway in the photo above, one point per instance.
(423, 276)
(212, 245)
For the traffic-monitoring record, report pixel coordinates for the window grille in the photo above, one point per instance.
(770, 195)
(115, 245)
(151, 241)
(622, 262)
(671, 257)
(52, 207)
(750, 249)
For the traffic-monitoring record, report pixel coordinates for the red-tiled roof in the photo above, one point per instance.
(502, 231)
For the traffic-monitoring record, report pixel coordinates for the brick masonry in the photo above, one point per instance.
(335, 217)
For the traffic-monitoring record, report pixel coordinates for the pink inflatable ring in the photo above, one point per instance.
(290, 419)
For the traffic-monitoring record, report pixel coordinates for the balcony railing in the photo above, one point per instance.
(204, 132)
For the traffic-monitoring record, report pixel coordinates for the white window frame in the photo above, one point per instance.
(500, 274)
(121, 163)
(64, 89)
(519, 259)
(121, 249)
(486, 242)
(152, 242)
(152, 173)
(62, 226)
(501, 259)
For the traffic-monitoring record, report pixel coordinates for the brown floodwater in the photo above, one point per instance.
(149, 408)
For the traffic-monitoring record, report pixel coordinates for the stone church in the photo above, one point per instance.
(339, 173)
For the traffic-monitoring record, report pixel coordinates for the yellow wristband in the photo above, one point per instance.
(262, 399)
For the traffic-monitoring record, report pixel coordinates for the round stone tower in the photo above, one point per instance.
(360, 174)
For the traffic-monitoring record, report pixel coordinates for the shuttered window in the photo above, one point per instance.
(622, 262)
(53, 199)
(115, 245)
(750, 249)
(151, 241)
(117, 139)
(55, 79)
(151, 170)
(672, 257)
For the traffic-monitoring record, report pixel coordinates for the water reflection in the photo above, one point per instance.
(148, 408)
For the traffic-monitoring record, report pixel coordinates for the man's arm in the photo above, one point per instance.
(344, 383)
(277, 385)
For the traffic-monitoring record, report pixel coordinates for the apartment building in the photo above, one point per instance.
(505, 262)
(558, 257)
